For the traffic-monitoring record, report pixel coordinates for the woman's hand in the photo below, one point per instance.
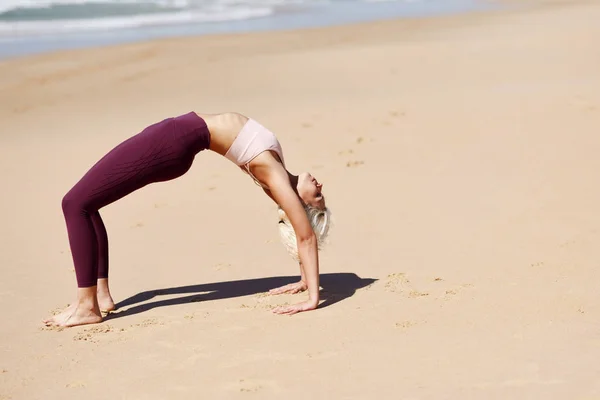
(292, 288)
(296, 308)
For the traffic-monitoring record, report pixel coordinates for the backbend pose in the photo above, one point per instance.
(165, 151)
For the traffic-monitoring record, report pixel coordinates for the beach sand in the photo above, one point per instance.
(459, 157)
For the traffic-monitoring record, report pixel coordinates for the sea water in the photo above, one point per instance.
(33, 26)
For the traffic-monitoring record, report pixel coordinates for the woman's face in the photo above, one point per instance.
(309, 190)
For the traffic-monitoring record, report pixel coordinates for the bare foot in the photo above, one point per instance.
(105, 302)
(61, 317)
(83, 316)
(84, 311)
(74, 316)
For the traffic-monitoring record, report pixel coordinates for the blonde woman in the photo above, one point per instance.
(165, 151)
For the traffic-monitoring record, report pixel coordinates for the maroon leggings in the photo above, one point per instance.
(161, 152)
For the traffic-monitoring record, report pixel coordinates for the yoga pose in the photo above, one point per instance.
(165, 151)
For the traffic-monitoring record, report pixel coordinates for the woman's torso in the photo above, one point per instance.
(224, 129)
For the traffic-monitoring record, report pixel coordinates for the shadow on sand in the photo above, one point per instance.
(335, 287)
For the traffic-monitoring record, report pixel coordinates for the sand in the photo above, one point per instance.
(459, 156)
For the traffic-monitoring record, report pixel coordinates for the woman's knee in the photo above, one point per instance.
(71, 202)
(67, 202)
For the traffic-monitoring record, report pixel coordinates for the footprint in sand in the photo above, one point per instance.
(415, 293)
(537, 264)
(251, 388)
(263, 301)
(91, 334)
(433, 288)
(396, 282)
(404, 325)
(249, 385)
(192, 316)
(75, 385)
(454, 291)
(148, 322)
(52, 328)
(351, 164)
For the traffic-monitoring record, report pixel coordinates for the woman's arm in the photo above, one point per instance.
(282, 192)
(291, 288)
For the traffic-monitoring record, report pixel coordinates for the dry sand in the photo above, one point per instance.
(460, 159)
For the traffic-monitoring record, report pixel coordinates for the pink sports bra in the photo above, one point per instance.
(253, 140)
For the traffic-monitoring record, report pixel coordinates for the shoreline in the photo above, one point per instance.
(423, 22)
(312, 17)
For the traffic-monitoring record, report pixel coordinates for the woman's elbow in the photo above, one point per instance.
(307, 239)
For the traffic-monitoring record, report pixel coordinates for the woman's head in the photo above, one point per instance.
(310, 191)
(320, 221)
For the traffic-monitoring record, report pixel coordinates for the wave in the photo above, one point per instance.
(27, 17)
(11, 7)
(19, 18)
(132, 21)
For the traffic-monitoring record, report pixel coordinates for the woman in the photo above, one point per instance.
(165, 151)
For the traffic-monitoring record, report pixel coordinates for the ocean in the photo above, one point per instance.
(34, 26)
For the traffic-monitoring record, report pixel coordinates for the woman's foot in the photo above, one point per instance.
(61, 317)
(84, 311)
(105, 300)
(74, 317)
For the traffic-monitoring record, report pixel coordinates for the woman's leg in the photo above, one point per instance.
(105, 300)
(159, 153)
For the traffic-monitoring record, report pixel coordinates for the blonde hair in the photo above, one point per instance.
(320, 221)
